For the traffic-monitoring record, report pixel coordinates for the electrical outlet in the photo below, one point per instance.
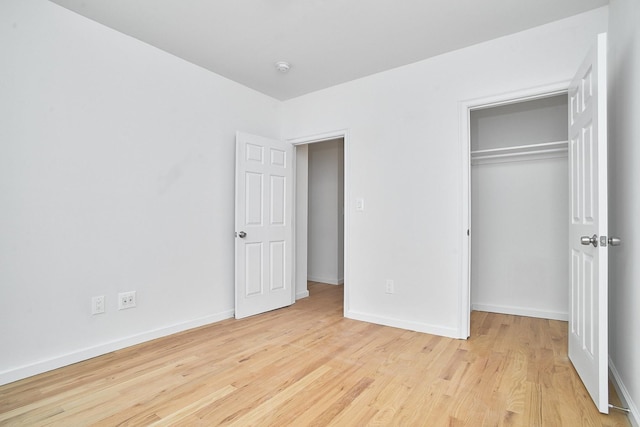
(126, 300)
(97, 304)
(390, 288)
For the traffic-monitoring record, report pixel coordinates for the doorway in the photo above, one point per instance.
(515, 156)
(321, 220)
(519, 209)
(325, 244)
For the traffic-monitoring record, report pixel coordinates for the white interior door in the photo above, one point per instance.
(588, 347)
(264, 228)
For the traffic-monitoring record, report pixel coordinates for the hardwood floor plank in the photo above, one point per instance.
(308, 365)
(257, 413)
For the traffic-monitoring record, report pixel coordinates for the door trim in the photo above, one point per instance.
(464, 108)
(320, 137)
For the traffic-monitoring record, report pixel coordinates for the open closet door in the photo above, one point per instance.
(264, 226)
(588, 335)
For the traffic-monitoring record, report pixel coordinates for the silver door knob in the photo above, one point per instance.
(614, 241)
(586, 240)
(242, 234)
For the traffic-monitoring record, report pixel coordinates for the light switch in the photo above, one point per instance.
(359, 204)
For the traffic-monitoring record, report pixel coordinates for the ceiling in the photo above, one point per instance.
(327, 42)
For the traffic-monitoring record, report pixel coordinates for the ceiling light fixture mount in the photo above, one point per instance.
(283, 66)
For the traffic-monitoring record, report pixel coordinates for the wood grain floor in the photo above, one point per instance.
(306, 365)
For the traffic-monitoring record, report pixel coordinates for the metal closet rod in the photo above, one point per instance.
(521, 147)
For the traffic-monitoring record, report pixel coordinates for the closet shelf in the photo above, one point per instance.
(547, 150)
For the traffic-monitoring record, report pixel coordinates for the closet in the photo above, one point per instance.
(519, 208)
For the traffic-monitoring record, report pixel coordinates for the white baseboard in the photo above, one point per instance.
(303, 294)
(39, 367)
(404, 324)
(623, 394)
(327, 280)
(521, 311)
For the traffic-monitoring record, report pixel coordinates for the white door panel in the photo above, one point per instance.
(264, 229)
(588, 346)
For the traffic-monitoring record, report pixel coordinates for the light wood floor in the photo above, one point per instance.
(307, 365)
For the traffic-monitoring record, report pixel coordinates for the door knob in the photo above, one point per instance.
(614, 241)
(586, 240)
(242, 234)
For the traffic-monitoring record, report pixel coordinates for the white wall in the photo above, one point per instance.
(116, 174)
(340, 237)
(520, 233)
(519, 211)
(405, 161)
(624, 198)
(302, 219)
(326, 220)
(536, 121)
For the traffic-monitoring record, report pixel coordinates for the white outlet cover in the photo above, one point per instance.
(97, 305)
(126, 300)
(390, 287)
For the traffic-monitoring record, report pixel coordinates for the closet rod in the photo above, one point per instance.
(522, 147)
(497, 156)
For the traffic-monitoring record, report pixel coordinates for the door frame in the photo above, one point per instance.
(465, 107)
(311, 139)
